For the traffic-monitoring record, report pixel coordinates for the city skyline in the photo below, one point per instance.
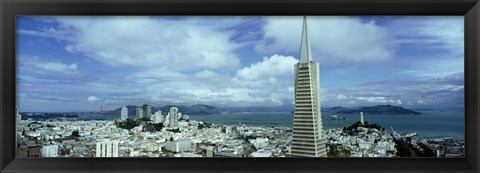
(225, 61)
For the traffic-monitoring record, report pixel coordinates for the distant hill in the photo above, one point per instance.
(378, 109)
(197, 109)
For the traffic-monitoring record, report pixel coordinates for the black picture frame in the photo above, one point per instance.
(470, 9)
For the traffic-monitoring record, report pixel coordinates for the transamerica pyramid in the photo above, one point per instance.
(307, 139)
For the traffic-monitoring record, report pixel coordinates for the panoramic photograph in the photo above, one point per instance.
(240, 86)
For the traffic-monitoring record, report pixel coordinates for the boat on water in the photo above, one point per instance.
(335, 117)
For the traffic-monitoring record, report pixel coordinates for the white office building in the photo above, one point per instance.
(307, 138)
(139, 113)
(50, 150)
(173, 117)
(124, 113)
(107, 149)
(157, 117)
(178, 146)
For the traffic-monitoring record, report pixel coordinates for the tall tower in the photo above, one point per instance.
(307, 139)
(124, 113)
(147, 110)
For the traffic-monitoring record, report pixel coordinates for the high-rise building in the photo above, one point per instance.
(139, 114)
(124, 113)
(173, 117)
(147, 110)
(107, 149)
(157, 117)
(361, 118)
(18, 119)
(307, 139)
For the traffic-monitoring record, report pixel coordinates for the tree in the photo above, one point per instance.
(145, 119)
(75, 134)
(128, 124)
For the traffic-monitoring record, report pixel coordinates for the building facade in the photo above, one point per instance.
(124, 113)
(178, 146)
(307, 139)
(50, 150)
(106, 149)
(173, 117)
(139, 113)
(147, 110)
(157, 117)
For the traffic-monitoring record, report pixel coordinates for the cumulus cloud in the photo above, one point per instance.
(58, 67)
(334, 39)
(92, 99)
(276, 65)
(136, 60)
(265, 83)
(144, 42)
(206, 74)
(37, 65)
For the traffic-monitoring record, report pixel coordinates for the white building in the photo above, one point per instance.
(157, 117)
(173, 117)
(166, 122)
(261, 153)
(307, 138)
(124, 113)
(147, 110)
(361, 118)
(178, 146)
(50, 150)
(107, 149)
(139, 112)
(260, 143)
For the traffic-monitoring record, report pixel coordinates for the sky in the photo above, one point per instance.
(82, 63)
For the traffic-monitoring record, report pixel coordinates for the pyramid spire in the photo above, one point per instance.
(305, 50)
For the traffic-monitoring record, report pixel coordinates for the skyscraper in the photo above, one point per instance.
(147, 110)
(139, 114)
(173, 117)
(124, 113)
(307, 139)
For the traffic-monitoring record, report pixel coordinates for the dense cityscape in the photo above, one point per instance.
(176, 135)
